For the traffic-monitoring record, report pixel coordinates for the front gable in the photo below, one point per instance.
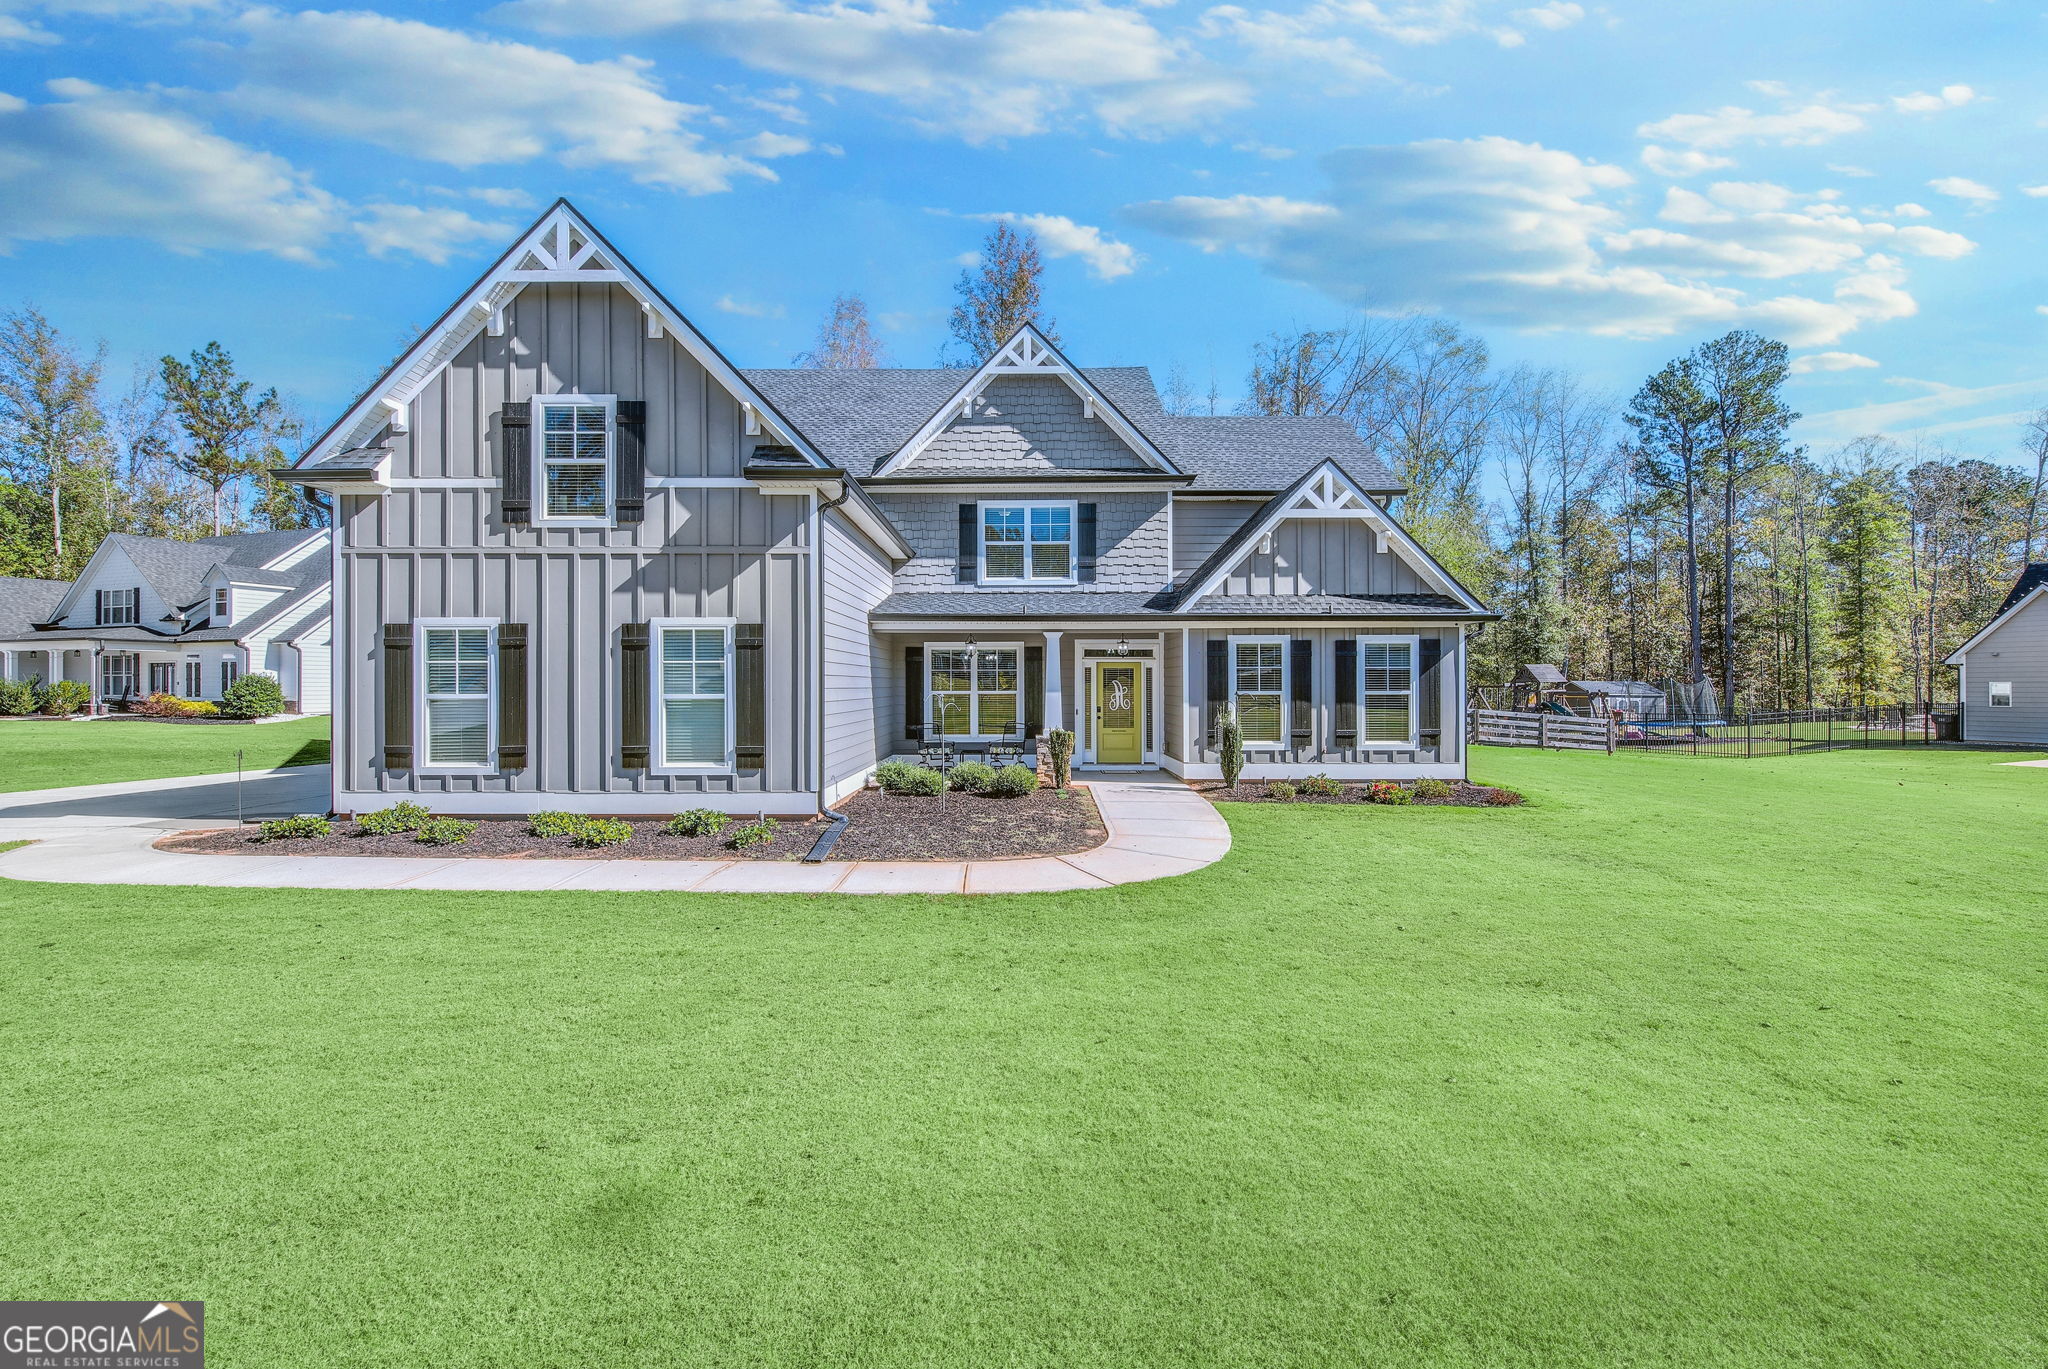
(111, 568)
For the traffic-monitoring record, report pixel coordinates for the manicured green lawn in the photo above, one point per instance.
(46, 755)
(1687, 1063)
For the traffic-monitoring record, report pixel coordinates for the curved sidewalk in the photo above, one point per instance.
(1158, 828)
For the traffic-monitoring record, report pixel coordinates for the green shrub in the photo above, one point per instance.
(1059, 746)
(972, 777)
(254, 695)
(445, 831)
(602, 832)
(554, 824)
(1322, 787)
(63, 698)
(1013, 781)
(1386, 791)
(199, 708)
(753, 834)
(17, 698)
(1281, 789)
(1230, 747)
(900, 777)
(698, 822)
(302, 828)
(1434, 789)
(403, 816)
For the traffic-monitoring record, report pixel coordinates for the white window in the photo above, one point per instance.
(120, 607)
(693, 693)
(1386, 689)
(458, 682)
(1027, 544)
(2001, 693)
(220, 606)
(573, 457)
(972, 691)
(1258, 689)
(117, 675)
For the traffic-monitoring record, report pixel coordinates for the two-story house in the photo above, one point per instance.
(583, 561)
(153, 615)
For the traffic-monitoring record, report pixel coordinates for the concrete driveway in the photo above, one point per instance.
(164, 804)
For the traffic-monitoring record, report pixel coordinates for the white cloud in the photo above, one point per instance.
(433, 234)
(1683, 162)
(1841, 170)
(1963, 188)
(2034, 192)
(1516, 233)
(1920, 102)
(1732, 126)
(1929, 412)
(1556, 15)
(1910, 210)
(1831, 361)
(18, 32)
(726, 304)
(468, 101)
(1059, 236)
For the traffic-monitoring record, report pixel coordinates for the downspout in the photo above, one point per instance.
(819, 508)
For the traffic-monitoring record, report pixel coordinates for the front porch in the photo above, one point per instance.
(120, 672)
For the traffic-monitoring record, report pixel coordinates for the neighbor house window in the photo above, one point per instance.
(1386, 689)
(457, 682)
(2001, 693)
(575, 455)
(693, 684)
(195, 679)
(163, 676)
(117, 675)
(229, 673)
(973, 689)
(1027, 543)
(1258, 688)
(220, 606)
(120, 607)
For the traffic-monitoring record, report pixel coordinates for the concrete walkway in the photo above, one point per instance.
(102, 834)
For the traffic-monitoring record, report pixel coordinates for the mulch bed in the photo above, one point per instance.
(1462, 795)
(505, 839)
(1046, 822)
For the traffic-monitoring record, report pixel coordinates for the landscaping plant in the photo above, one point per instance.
(254, 695)
(62, 698)
(445, 832)
(1322, 787)
(1386, 791)
(753, 834)
(1504, 798)
(17, 698)
(1280, 789)
(302, 828)
(403, 816)
(602, 832)
(972, 777)
(1013, 781)
(159, 705)
(552, 823)
(1059, 747)
(901, 777)
(698, 822)
(1434, 789)
(1230, 746)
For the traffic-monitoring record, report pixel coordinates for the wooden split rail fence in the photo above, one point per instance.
(1498, 727)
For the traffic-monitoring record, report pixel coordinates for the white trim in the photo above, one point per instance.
(1991, 688)
(1028, 352)
(1413, 741)
(1148, 672)
(537, 453)
(1294, 770)
(420, 739)
(1022, 485)
(778, 803)
(1955, 658)
(847, 784)
(1284, 742)
(657, 751)
(1073, 508)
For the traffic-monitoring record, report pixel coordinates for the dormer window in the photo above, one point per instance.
(1027, 544)
(220, 606)
(119, 608)
(574, 456)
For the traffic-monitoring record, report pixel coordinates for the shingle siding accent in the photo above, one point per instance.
(1027, 424)
(1131, 538)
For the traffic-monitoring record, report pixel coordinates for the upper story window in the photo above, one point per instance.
(220, 606)
(1027, 544)
(575, 457)
(119, 607)
(1258, 688)
(1386, 689)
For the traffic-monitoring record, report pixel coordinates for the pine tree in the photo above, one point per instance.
(1001, 294)
(228, 435)
(1670, 415)
(1866, 552)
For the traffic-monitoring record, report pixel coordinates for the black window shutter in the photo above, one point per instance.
(1429, 710)
(515, 428)
(397, 696)
(1347, 689)
(1301, 681)
(750, 683)
(1034, 690)
(913, 692)
(1219, 683)
(633, 709)
(630, 501)
(967, 568)
(512, 687)
(1085, 556)
(99, 608)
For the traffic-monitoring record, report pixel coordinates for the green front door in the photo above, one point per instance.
(1119, 715)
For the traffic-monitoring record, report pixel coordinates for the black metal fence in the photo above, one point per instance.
(1791, 732)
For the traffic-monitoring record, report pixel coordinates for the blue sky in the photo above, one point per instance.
(1593, 186)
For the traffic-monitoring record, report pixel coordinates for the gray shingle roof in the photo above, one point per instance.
(2036, 574)
(26, 602)
(176, 570)
(1081, 603)
(858, 418)
(352, 460)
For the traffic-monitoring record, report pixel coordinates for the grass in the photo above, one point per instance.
(46, 755)
(1687, 1063)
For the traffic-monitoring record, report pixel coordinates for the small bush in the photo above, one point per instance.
(1281, 789)
(553, 824)
(602, 832)
(63, 698)
(1059, 746)
(254, 695)
(17, 698)
(1013, 781)
(198, 708)
(1230, 747)
(159, 705)
(698, 822)
(1504, 798)
(1386, 791)
(1434, 789)
(753, 834)
(403, 816)
(972, 777)
(303, 828)
(900, 777)
(445, 832)
(1322, 787)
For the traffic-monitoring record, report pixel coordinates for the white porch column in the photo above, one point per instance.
(1055, 701)
(7, 663)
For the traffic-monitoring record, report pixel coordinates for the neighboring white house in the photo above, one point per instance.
(157, 615)
(2002, 672)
